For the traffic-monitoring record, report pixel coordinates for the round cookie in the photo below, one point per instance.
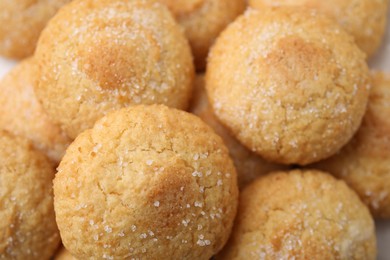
(101, 55)
(203, 21)
(64, 254)
(28, 229)
(21, 23)
(248, 164)
(301, 215)
(21, 113)
(363, 19)
(146, 182)
(365, 162)
(297, 84)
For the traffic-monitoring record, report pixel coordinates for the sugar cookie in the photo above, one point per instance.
(146, 182)
(290, 84)
(301, 215)
(27, 229)
(101, 55)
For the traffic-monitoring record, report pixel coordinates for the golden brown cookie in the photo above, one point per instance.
(203, 21)
(146, 182)
(248, 164)
(301, 215)
(363, 19)
(290, 84)
(27, 229)
(21, 113)
(365, 162)
(101, 55)
(64, 254)
(21, 23)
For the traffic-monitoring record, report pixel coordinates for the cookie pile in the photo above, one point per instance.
(112, 144)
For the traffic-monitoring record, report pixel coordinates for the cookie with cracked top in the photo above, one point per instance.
(146, 182)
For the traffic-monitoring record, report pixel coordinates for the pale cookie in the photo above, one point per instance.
(21, 113)
(290, 84)
(248, 164)
(21, 23)
(365, 162)
(97, 56)
(363, 19)
(301, 215)
(146, 182)
(27, 229)
(203, 21)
